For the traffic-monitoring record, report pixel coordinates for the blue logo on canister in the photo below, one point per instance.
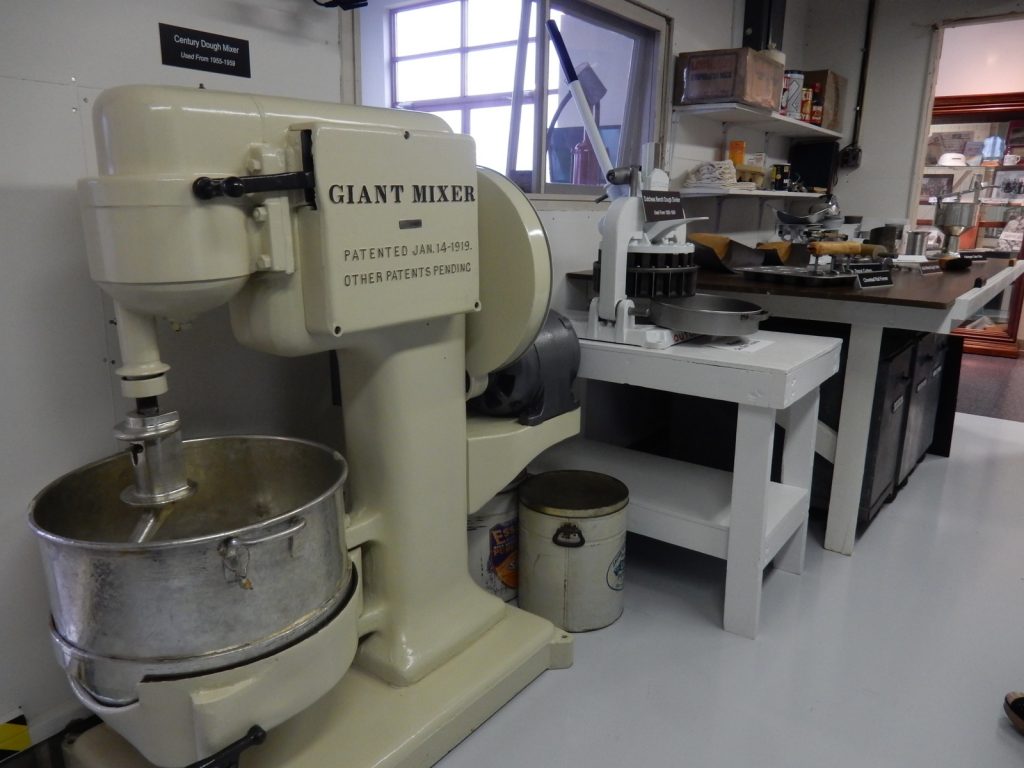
(616, 576)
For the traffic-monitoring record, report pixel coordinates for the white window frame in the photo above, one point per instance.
(377, 73)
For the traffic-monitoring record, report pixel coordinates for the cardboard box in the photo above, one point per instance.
(742, 75)
(828, 89)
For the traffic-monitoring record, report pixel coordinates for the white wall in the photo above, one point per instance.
(900, 74)
(982, 58)
(574, 242)
(59, 401)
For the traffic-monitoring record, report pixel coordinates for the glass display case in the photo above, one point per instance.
(977, 142)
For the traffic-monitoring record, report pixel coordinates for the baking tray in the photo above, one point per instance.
(797, 276)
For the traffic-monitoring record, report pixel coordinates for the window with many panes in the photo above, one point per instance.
(476, 64)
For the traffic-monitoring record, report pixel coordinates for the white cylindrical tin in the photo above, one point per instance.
(792, 93)
(494, 544)
(572, 548)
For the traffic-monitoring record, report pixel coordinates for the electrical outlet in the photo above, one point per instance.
(850, 156)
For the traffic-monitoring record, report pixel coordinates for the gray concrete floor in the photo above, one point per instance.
(992, 386)
(896, 656)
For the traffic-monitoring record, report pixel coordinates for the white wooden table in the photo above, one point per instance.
(868, 313)
(741, 516)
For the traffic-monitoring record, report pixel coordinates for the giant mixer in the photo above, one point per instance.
(218, 597)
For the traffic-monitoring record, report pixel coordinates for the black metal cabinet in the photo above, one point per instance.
(929, 361)
(893, 393)
(912, 372)
(911, 375)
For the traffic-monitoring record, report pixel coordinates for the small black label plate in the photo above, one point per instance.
(930, 269)
(661, 206)
(875, 279)
(205, 51)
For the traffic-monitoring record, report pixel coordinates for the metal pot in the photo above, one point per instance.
(253, 561)
(709, 315)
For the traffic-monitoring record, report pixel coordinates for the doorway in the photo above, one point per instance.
(974, 153)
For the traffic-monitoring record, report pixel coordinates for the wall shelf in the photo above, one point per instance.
(761, 193)
(758, 118)
(952, 168)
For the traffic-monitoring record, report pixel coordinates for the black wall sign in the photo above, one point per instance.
(192, 49)
(661, 206)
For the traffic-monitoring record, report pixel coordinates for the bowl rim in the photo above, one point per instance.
(132, 547)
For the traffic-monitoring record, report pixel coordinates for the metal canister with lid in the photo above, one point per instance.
(572, 548)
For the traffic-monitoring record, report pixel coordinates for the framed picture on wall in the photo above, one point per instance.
(1009, 183)
(935, 185)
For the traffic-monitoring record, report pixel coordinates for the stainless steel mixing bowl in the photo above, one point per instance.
(253, 561)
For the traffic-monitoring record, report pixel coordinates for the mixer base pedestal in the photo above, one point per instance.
(365, 723)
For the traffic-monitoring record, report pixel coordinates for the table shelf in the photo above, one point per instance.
(775, 376)
(677, 502)
(740, 516)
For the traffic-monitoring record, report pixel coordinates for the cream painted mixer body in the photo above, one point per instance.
(323, 227)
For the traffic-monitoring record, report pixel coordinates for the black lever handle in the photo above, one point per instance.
(206, 188)
(228, 757)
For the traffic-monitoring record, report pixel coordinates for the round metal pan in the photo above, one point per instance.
(704, 314)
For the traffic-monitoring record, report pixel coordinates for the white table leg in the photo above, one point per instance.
(800, 421)
(852, 445)
(755, 428)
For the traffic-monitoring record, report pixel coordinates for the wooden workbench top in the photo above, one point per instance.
(934, 291)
